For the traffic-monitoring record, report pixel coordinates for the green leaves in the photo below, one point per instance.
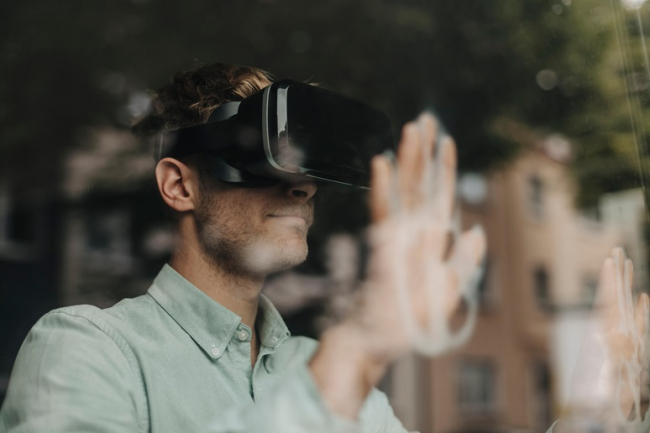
(551, 64)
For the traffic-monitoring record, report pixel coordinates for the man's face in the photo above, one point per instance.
(254, 231)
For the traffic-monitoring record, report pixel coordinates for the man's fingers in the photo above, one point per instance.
(641, 313)
(445, 180)
(469, 250)
(408, 161)
(467, 255)
(629, 274)
(614, 297)
(606, 296)
(618, 255)
(381, 193)
(428, 127)
(423, 178)
(428, 130)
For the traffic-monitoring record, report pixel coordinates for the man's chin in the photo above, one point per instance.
(267, 257)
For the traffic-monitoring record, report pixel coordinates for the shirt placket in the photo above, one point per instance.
(240, 345)
(264, 370)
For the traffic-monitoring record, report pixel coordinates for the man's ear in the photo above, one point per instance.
(178, 184)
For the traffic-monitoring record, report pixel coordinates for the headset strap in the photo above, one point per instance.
(223, 112)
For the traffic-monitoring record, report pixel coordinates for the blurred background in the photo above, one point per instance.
(549, 102)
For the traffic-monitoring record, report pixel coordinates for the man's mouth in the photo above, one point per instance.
(296, 218)
(302, 216)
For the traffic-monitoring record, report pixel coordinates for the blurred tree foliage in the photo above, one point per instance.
(550, 64)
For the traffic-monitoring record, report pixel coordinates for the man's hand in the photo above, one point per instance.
(411, 268)
(610, 379)
(414, 281)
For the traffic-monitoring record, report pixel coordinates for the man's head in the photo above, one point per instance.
(243, 230)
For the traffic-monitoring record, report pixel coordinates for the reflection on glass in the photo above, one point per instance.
(549, 103)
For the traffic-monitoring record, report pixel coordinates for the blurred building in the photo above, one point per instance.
(114, 235)
(543, 263)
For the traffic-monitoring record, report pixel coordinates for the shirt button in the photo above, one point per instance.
(215, 352)
(274, 340)
(243, 335)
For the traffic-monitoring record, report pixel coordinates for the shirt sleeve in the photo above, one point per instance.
(297, 406)
(71, 376)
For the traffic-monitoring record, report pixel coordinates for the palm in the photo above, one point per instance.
(413, 284)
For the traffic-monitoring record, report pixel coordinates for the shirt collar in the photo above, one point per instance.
(210, 324)
(271, 328)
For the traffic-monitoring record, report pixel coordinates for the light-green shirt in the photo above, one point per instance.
(172, 360)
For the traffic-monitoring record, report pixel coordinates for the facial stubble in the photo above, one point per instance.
(233, 239)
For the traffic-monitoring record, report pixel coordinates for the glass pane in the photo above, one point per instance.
(548, 102)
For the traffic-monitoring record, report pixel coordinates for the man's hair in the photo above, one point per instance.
(192, 96)
(190, 99)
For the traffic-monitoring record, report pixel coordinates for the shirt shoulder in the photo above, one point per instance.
(118, 322)
(129, 321)
(125, 309)
(76, 319)
(71, 360)
(84, 326)
(108, 334)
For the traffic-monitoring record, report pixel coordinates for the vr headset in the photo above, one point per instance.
(289, 131)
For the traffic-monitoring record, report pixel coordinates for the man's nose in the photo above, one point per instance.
(302, 191)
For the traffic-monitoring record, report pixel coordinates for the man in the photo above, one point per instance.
(203, 344)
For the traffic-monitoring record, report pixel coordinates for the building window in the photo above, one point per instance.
(20, 226)
(541, 401)
(477, 387)
(541, 286)
(536, 196)
(108, 233)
